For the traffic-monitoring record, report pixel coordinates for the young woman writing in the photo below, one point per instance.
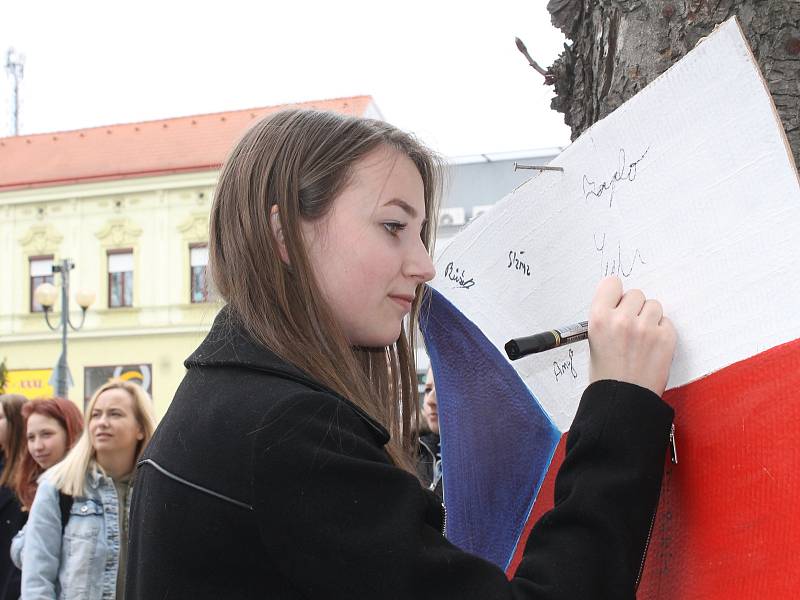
(284, 466)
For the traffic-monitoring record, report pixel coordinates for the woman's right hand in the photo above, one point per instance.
(630, 339)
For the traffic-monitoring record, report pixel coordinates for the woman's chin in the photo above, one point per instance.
(378, 339)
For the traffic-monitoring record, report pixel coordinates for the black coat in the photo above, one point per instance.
(260, 483)
(11, 521)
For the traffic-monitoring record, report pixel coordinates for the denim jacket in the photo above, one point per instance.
(83, 564)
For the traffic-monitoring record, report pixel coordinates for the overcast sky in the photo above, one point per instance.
(446, 70)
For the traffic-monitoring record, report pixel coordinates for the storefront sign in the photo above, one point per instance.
(31, 383)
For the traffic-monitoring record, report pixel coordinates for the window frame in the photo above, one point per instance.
(44, 279)
(109, 274)
(193, 246)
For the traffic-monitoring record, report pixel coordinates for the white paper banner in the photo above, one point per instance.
(687, 192)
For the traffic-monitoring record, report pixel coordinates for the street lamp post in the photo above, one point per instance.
(45, 294)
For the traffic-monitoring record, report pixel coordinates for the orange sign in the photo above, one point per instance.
(31, 383)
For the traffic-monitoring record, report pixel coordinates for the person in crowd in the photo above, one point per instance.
(52, 426)
(285, 465)
(75, 543)
(429, 464)
(12, 441)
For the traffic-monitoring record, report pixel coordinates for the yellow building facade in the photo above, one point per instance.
(158, 219)
(136, 231)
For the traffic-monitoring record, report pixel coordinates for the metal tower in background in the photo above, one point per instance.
(15, 67)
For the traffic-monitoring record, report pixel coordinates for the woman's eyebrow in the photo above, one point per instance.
(407, 208)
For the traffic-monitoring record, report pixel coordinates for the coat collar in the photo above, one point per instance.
(96, 475)
(229, 345)
(430, 439)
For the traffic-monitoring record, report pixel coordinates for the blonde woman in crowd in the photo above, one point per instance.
(84, 557)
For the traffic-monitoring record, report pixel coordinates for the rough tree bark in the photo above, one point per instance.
(619, 46)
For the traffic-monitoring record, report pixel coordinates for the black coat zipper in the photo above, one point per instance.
(674, 457)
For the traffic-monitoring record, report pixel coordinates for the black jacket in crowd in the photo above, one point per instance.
(428, 453)
(11, 521)
(261, 483)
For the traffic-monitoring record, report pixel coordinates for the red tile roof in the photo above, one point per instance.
(177, 145)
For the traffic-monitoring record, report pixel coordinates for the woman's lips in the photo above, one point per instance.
(403, 300)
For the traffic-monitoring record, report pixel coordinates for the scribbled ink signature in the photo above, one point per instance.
(613, 265)
(625, 172)
(515, 262)
(564, 367)
(459, 276)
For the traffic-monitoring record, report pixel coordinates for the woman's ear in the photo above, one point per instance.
(277, 231)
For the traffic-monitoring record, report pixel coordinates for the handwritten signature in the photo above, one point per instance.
(613, 265)
(625, 172)
(515, 261)
(564, 367)
(459, 276)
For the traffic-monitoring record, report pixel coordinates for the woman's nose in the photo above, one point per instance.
(419, 264)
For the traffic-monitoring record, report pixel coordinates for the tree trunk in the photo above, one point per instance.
(619, 46)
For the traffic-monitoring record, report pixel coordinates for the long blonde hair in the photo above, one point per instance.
(69, 475)
(300, 161)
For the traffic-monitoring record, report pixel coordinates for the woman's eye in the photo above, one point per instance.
(394, 228)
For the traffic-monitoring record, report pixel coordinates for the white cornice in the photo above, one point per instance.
(110, 187)
(48, 336)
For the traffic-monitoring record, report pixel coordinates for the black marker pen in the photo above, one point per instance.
(519, 347)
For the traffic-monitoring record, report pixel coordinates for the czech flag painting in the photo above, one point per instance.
(692, 197)
(486, 520)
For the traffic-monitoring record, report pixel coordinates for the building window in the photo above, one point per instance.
(120, 278)
(41, 268)
(198, 259)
